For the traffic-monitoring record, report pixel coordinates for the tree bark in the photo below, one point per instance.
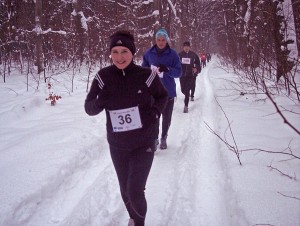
(296, 12)
(39, 41)
(158, 18)
(81, 32)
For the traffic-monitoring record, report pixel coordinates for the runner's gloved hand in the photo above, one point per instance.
(156, 70)
(102, 99)
(155, 113)
(163, 68)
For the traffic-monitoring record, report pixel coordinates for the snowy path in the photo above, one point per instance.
(192, 191)
(55, 167)
(188, 184)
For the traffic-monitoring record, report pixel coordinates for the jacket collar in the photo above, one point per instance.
(167, 49)
(126, 70)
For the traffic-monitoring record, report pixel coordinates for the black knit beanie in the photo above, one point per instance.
(186, 43)
(122, 38)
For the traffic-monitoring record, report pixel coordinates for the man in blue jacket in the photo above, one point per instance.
(166, 62)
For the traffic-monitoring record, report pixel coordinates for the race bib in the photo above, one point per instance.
(186, 60)
(125, 119)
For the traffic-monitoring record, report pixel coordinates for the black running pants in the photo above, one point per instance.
(167, 117)
(188, 84)
(132, 168)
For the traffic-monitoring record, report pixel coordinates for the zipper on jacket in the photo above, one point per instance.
(123, 72)
(186, 66)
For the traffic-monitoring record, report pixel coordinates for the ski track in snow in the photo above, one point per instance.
(60, 195)
(193, 158)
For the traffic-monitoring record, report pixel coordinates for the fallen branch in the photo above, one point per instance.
(234, 147)
(278, 110)
(288, 196)
(272, 152)
(284, 174)
(12, 90)
(230, 147)
(263, 225)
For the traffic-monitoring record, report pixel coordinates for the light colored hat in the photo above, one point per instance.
(162, 32)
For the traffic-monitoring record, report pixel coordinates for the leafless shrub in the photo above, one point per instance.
(234, 148)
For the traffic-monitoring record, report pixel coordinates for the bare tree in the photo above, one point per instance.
(81, 28)
(39, 33)
(296, 13)
(158, 18)
(75, 33)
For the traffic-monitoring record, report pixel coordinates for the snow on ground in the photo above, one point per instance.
(55, 167)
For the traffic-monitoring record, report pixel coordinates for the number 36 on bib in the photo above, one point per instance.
(125, 119)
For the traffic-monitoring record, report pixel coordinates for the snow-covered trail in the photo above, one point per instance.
(187, 185)
(188, 182)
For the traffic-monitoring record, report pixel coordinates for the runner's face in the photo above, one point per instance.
(186, 49)
(161, 42)
(121, 56)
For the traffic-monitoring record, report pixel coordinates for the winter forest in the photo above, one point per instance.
(50, 51)
(41, 38)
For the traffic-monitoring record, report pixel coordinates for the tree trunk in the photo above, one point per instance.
(80, 29)
(158, 17)
(39, 41)
(296, 12)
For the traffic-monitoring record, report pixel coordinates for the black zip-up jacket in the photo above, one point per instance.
(135, 86)
(194, 62)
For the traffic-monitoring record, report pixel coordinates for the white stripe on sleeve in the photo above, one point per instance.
(151, 78)
(100, 82)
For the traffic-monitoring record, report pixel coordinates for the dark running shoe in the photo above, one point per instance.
(163, 143)
(185, 109)
(154, 146)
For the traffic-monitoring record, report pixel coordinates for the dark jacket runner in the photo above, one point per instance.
(115, 89)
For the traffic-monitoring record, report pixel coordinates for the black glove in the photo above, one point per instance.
(155, 113)
(102, 99)
(163, 68)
